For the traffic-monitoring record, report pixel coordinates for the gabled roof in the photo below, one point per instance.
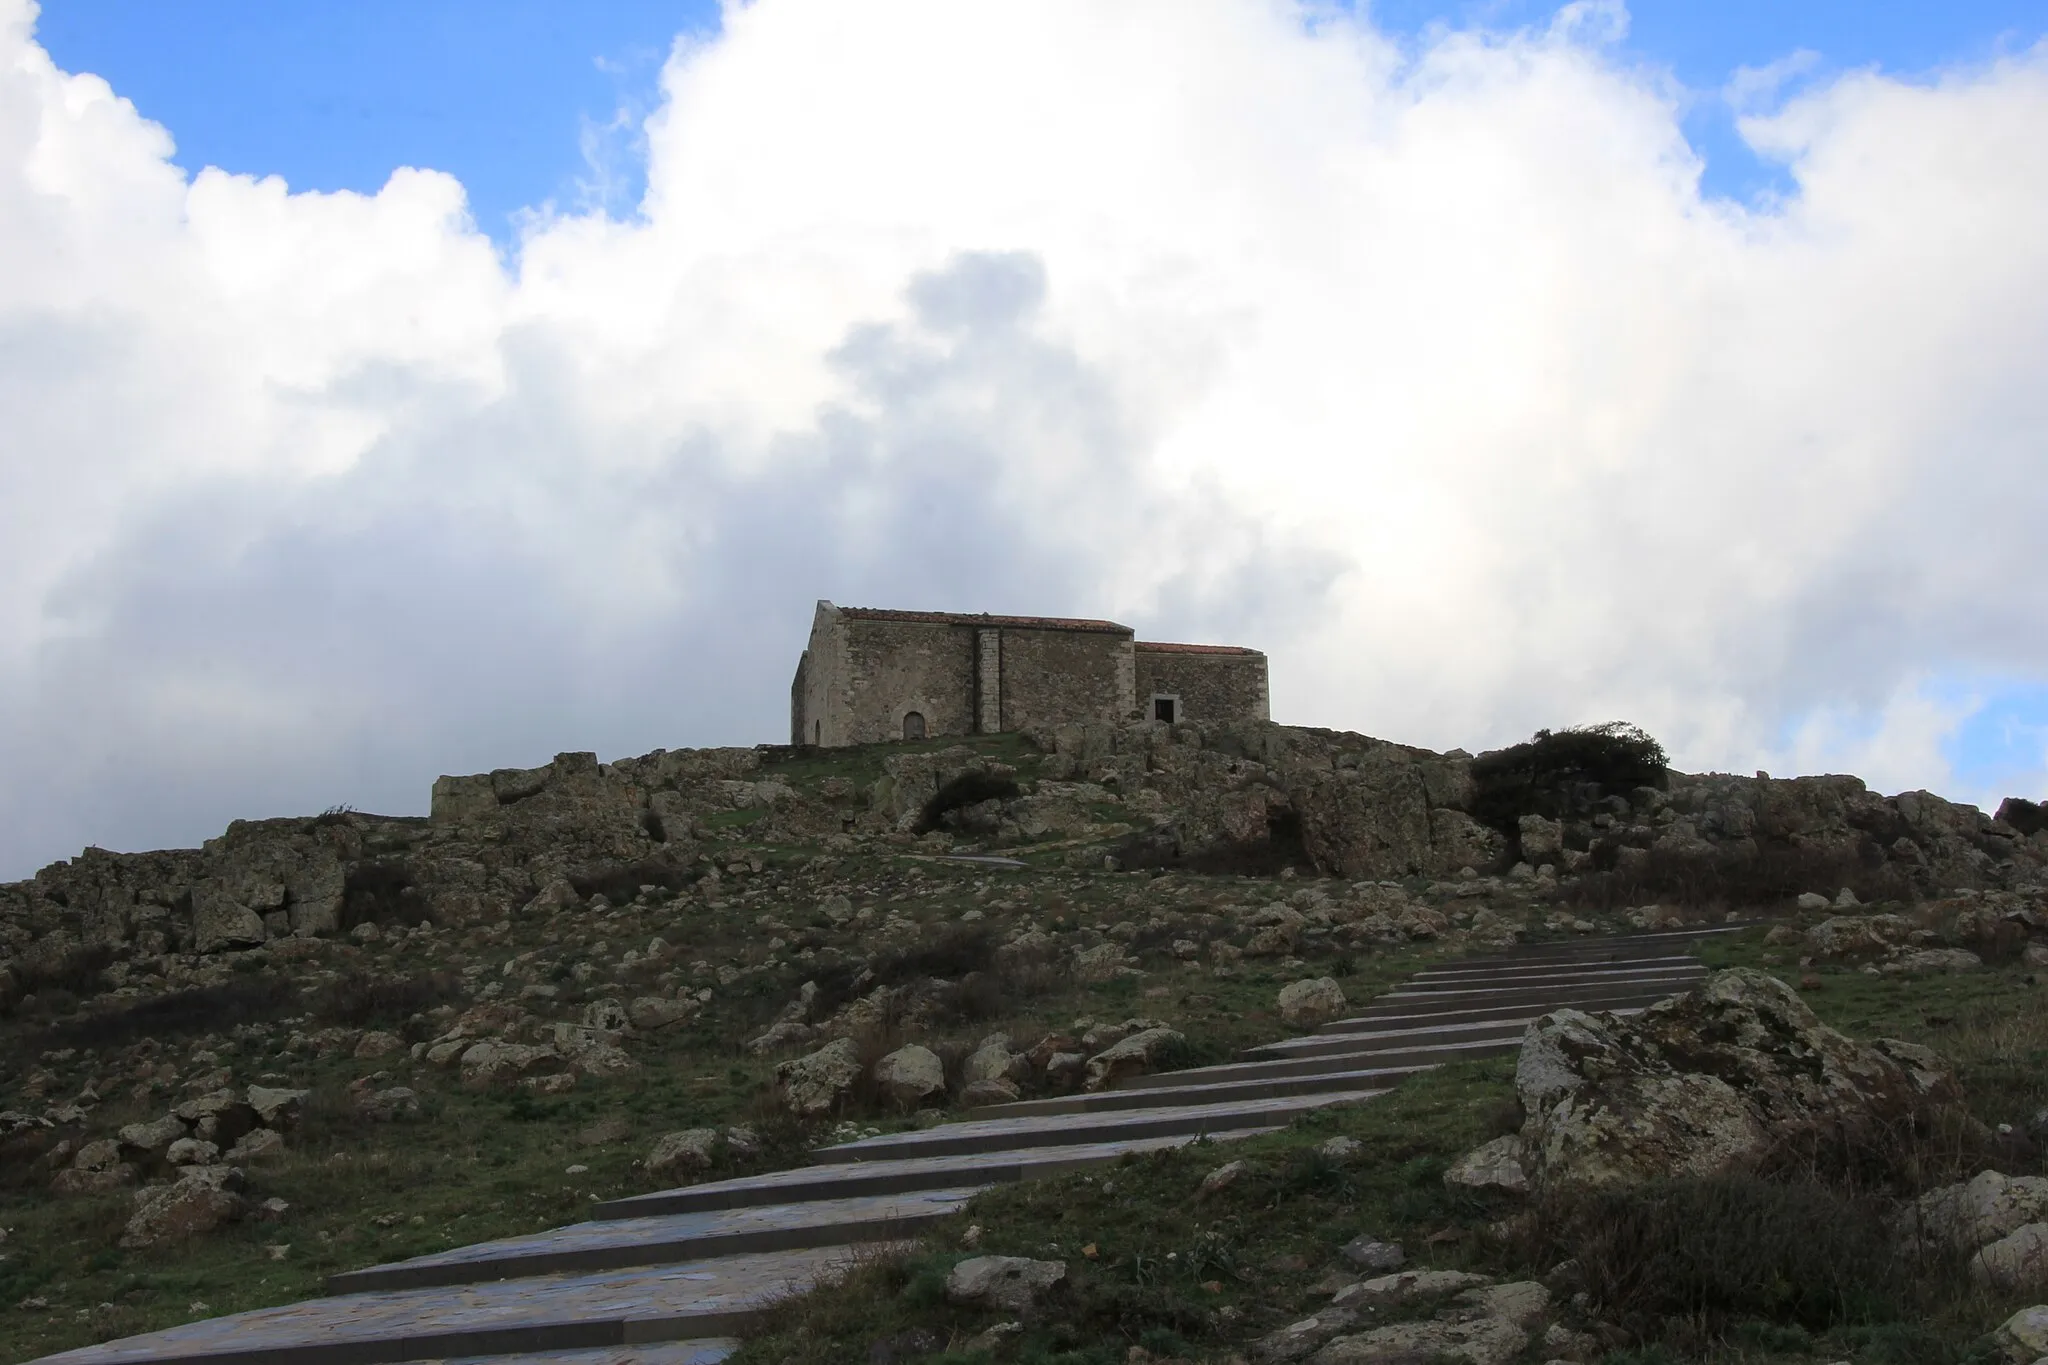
(983, 619)
(1160, 647)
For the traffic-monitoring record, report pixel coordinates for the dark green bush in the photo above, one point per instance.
(359, 999)
(204, 1009)
(620, 882)
(1727, 878)
(1563, 773)
(1713, 1253)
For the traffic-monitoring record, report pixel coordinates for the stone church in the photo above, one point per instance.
(871, 675)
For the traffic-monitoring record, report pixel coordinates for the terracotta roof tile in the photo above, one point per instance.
(1161, 647)
(954, 618)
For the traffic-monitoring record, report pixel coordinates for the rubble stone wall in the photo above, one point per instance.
(1049, 676)
(1210, 687)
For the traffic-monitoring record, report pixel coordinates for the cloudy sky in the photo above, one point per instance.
(389, 390)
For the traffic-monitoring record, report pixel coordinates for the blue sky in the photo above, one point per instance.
(1764, 478)
(521, 99)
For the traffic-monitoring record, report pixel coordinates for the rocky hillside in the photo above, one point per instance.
(324, 1041)
(516, 841)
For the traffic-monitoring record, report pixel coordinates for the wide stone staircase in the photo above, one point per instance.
(661, 1278)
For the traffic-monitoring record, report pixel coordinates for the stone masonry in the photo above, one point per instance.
(870, 676)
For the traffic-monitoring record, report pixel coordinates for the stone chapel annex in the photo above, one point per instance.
(871, 675)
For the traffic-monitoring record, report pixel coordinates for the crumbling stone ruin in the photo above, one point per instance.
(869, 676)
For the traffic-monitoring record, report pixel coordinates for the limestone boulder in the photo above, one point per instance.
(2023, 1337)
(1542, 840)
(1306, 1004)
(1016, 1284)
(277, 1107)
(201, 1199)
(1133, 1056)
(818, 1083)
(1495, 1167)
(1710, 1081)
(691, 1149)
(994, 1061)
(152, 1140)
(911, 1075)
(2015, 1262)
(1976, 1212)
(1858, 936)
(647, 1013)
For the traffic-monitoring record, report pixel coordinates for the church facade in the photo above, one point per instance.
(869, 675)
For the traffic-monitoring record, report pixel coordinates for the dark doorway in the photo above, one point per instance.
(913, 725)
(1163, 708)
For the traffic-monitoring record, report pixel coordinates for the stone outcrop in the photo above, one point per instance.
(1721, 1078)
(511, 841)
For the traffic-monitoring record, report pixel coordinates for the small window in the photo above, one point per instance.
(1163, 709)
(817, 732)
(913, 725)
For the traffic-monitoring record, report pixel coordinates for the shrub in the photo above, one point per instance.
(358, 999)
(620, 882)
(1710, 1253)
(204, 1009)
(1563, 773)
(77, 975)
(967, 789)
(1725, 878)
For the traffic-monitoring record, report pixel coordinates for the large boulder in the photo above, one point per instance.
(200, 1200)
(1721, 1078)
(1013, 1283)
(815, 1085)
(911, 1075)
(1305, 1004)
(1133, 1056)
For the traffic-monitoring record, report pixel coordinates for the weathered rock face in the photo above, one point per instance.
(1717, 1079)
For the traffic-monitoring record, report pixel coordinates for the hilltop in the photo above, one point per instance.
(321, 1042)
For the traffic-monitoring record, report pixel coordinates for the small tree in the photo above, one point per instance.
(1560, 773)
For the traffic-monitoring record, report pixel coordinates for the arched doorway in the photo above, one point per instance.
(913, 725)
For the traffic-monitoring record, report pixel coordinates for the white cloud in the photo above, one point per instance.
(1430, 372)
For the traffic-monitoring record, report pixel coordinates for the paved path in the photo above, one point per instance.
(657, 1279)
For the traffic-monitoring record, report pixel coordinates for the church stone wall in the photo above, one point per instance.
(893, 667)
(1209, 685)
(1053, 676)
(964, 674)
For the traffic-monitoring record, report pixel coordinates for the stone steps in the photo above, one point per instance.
(1325, 1077)
(847, 1180)
(1013, 1133)
(684, 1302)
(662, 1278)
(618, 1243)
